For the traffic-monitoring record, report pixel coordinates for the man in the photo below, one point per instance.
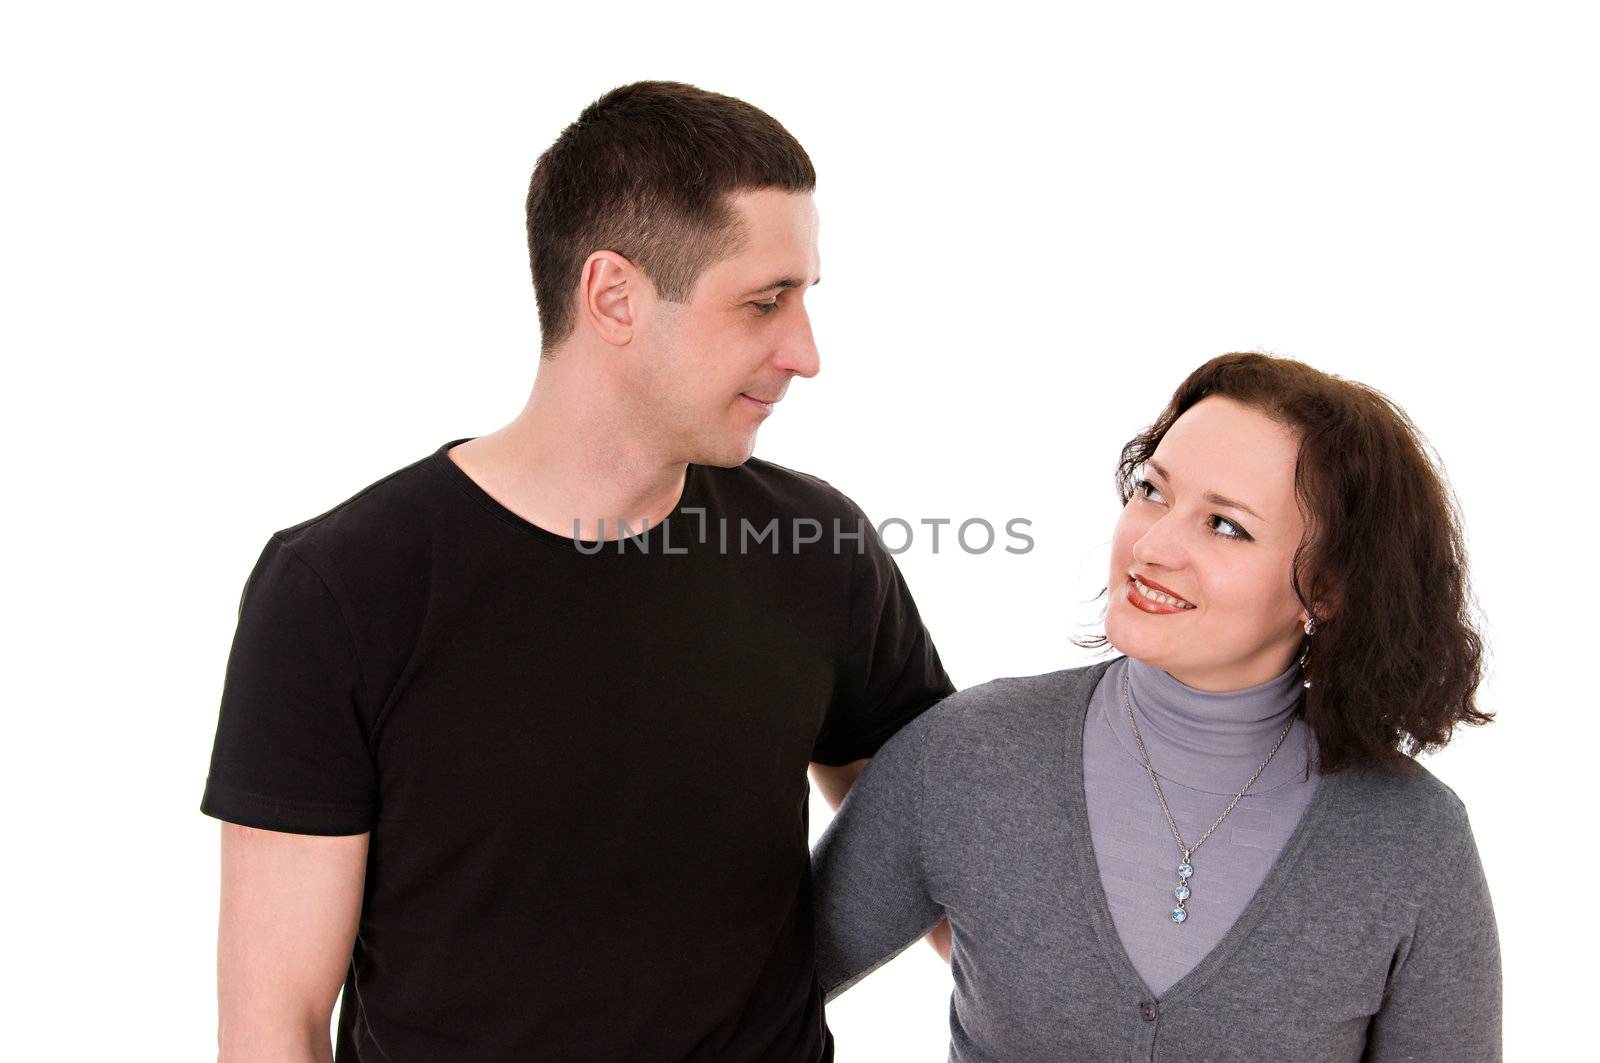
(513, 743)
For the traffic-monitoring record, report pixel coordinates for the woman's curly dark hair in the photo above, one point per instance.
(1396, 658)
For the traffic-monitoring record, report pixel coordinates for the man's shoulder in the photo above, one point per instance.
(770, 487)
(375, 522)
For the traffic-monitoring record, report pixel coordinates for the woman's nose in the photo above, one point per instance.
(1161, 545)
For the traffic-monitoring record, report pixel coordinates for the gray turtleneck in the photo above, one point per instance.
(1369, 937)
(1204, 746)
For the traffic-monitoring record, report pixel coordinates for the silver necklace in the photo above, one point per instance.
(1186, 869)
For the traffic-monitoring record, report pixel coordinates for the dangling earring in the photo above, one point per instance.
(1311, 627)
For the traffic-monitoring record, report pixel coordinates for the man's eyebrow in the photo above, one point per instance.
(1211, 496)
(781, 282)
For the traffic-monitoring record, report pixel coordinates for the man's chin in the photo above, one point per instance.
(726, 454)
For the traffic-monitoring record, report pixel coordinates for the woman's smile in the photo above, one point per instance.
(1146, 597)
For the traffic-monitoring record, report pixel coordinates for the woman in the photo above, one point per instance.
(1216, 846)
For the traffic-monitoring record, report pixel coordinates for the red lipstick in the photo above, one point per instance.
(1149, 605)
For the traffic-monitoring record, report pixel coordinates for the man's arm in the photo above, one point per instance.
(835, 782)
(290, 907)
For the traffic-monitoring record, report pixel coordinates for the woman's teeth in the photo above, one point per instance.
(1157, 596)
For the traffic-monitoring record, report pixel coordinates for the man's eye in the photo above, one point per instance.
(766, 308)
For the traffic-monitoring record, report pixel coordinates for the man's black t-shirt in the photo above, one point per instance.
(583, 765)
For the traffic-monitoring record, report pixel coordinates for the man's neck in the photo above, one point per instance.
(574, 465)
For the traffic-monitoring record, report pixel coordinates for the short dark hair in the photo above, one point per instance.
(1396, 663)
(645, 171)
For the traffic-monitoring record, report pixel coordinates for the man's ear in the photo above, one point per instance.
(611, 293)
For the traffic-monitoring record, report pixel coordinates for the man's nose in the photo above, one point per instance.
(797, 353)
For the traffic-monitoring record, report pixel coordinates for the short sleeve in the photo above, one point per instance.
(889, 671)
(291, 751)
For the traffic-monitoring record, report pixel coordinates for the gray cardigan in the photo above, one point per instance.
(1372, 937)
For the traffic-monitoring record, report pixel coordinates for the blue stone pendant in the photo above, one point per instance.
(1181, 891)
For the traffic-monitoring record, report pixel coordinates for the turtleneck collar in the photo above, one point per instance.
(1210, 740)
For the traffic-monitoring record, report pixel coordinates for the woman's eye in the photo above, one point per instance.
(1226, 528)
(1148, 490)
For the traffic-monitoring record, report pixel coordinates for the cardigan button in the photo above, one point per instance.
(1147, 1011)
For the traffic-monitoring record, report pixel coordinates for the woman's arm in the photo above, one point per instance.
(871, 887)
(1443, 997)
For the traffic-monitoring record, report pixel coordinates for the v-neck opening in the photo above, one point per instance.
(1088, 865)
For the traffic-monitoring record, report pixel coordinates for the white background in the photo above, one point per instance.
(256, 257)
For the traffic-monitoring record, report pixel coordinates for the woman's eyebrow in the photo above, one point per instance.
(1229, 503)
(1211, 496)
